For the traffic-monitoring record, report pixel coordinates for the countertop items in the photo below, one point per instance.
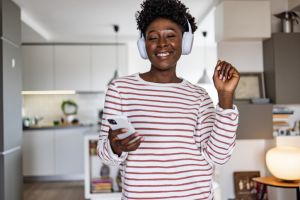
(64, 126)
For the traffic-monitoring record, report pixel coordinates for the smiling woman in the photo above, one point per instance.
(179, 136)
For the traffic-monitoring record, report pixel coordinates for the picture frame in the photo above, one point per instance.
(244, 186)
(251, 86)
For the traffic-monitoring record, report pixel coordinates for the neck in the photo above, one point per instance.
(161, 76)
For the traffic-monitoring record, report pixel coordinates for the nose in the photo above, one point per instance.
(162, 42)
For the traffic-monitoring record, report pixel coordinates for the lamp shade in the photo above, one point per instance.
(284, 163)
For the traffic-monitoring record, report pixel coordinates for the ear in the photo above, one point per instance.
(142, 47)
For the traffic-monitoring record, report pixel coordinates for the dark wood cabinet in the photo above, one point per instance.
(282, 68)
(255, 121)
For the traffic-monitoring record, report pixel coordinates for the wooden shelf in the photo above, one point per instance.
(275, 182)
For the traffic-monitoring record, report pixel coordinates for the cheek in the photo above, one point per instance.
(150, 47)
(177, 43)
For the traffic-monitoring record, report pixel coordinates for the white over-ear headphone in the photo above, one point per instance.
(187, 43)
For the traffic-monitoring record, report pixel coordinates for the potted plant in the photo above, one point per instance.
(69, 108)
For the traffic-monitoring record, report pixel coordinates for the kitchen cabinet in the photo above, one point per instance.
(72, 67)
(38, 153)
(255, 121)
(69, 151)
(38, 71)
(54, 152)
(242, 20)
(282, 67)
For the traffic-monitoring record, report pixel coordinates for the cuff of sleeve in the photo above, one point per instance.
(233, 111)
(114, 156)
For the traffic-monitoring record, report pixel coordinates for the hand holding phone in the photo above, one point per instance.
(121, 122)
(120, 141)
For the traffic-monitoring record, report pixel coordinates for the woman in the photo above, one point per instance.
(180, 136)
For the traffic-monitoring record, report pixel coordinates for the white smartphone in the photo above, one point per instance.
(118, 122)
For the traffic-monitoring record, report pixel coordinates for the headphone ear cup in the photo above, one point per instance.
(187, 43)
(142, 47)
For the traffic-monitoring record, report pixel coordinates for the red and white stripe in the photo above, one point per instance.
(185, 136)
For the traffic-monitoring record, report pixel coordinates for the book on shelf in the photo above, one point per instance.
(281, 116)
(281, 120)
(282, 110)
(281, 123)
(93, 147)
(101, 185)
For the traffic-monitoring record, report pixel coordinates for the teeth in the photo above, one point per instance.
(163, 54)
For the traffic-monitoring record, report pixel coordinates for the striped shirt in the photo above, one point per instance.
(184, 137)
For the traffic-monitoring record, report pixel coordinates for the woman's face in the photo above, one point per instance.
(163, 43)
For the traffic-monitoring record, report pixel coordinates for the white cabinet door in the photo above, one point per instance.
(38, 153)
(37, 69)
(72, 67)
(242, 20)
(104, 63)
(69, 151)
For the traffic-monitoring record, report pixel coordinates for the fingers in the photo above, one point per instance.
(134, 144)
(224, 70)
(130, 143)
(113, 134)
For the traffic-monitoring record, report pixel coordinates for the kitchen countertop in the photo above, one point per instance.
(50, 127)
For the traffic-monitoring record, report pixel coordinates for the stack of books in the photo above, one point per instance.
(93, 147)
(281, 125)
(101, 185)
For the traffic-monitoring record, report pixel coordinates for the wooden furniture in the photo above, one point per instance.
(255, 121)
(281, 67)
(274, 182)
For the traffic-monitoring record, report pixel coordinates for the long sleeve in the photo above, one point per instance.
(216, 131)
(112, 106)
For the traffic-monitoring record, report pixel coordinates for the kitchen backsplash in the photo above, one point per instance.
(49, 106)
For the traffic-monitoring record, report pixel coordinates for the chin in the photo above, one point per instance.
(163, 65)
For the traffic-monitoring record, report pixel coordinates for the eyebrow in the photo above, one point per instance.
(167, 29)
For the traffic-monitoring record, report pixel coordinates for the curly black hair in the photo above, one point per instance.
(173, 10)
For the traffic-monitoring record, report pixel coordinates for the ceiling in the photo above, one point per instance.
(88, 20)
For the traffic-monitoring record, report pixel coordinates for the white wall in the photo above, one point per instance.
(245, 56)
(248, 156)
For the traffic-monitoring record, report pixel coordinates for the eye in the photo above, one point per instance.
(171, 36)
(151, 38)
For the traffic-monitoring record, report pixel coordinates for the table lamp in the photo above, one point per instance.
(284, 163)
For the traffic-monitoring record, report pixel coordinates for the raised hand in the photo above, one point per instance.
(226, 79)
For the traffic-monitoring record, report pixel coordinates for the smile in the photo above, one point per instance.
(163, 54)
